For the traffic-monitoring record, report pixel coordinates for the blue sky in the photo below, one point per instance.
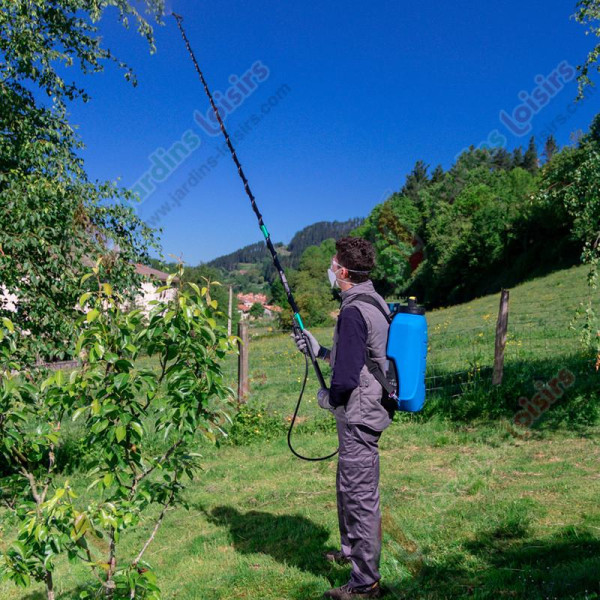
(356, 92)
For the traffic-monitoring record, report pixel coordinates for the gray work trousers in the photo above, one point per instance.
(357, 486)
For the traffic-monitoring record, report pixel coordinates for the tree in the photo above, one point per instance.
(215, 279)
(572, 181)
(530, 160)
(588, 13)
(257, 310)
(392, 228)
(278, 295)
(416, 180)
(311, 287)
(437, 175)
(502, 159)
(140, 428)
(550, 148)
(53, 220)
(517, 157)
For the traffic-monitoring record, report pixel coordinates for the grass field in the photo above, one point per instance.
(470, 510)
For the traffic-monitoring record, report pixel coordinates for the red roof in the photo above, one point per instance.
(252, 298)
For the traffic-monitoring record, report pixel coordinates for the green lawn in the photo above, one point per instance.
(469, 512)
(471, 509)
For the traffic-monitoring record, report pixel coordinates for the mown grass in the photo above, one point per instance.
(472, 507)
(468, 512)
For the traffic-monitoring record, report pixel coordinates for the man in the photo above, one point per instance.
(354, 398)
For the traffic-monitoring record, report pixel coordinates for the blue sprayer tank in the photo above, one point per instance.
(407, 348)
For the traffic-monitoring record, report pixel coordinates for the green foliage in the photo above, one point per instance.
(123, 408)
(257, 310)
(474, 236)
(311, 287)
(53, 220)
(588, 14)
(416, 180)
(392, 228)
(530, 159)
(570, 180)
(277, 294)
(550, 148)
(316, 234)
(204, 275)
(253, 423)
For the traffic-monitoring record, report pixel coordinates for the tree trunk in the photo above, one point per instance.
(112, 563)
(49, 585)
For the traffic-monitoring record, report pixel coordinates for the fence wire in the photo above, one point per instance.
(462, 338)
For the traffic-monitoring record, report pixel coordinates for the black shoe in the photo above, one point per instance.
(348, 593)
(336, 556)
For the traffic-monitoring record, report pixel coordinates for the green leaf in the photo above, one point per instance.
(137, 428)
(92, 315)
(78, 413)
(100, 426)
(120, 433)
(8, 324)
(84, 298)
(121, 380)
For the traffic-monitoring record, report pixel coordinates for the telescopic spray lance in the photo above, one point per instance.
(297, 324)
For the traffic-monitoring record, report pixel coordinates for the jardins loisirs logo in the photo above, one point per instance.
(164, 162)
(241, 88)
(519, 121)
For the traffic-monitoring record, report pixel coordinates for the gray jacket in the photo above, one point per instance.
(364, 406)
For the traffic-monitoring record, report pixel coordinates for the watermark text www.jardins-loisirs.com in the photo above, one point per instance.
(547, 394)
(199, 172)
(165, 161)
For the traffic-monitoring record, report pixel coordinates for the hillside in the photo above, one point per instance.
(461, 349)
(312, 235)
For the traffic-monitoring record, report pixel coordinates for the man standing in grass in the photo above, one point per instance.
(355, 399)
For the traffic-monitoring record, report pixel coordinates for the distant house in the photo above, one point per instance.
(270, 309)
(246, 301)
(153, 279)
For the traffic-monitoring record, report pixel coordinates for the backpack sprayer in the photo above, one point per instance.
(403, 382)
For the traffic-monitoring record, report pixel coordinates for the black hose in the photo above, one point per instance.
(289, 435)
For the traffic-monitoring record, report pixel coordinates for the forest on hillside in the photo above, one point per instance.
(493, 219)
(290, 255)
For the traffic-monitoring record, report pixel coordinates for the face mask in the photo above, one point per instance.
(331, 274)
(332, 277)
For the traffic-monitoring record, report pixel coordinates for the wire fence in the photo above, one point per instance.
(462, 338)
(542, 337)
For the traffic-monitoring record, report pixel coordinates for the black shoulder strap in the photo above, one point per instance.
(370, 300)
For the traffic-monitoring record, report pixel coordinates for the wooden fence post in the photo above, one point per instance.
(243, 363)
(229, 311)
(501, 328)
